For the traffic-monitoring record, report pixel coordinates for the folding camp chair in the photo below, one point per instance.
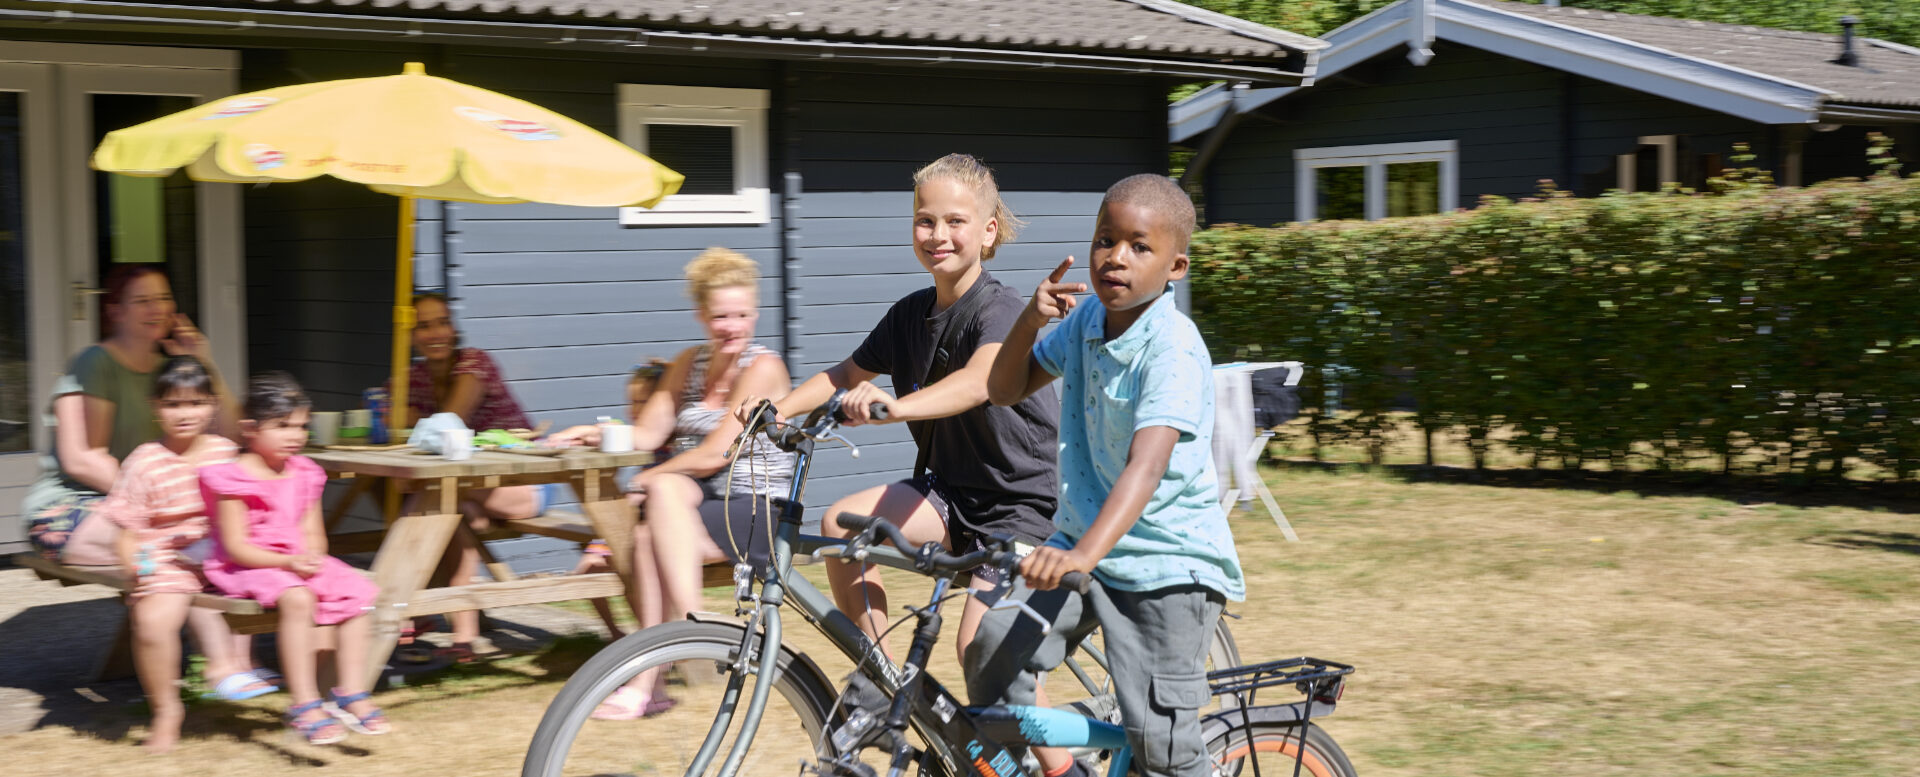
(1237, 383)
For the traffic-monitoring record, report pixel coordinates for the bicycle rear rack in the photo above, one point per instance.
(1319, 679)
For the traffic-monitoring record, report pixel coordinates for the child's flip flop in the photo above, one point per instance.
(235, 687)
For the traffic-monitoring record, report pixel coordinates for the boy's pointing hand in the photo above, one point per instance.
(1054, 299)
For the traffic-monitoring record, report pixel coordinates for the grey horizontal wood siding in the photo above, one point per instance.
(566, 299)
(1055, 144)
(1516, 123)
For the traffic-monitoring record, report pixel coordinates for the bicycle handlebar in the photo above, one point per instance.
(786, 436)
(931, 558)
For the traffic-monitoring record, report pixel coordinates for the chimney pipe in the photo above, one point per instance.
(1553, 3)
(1848, 56)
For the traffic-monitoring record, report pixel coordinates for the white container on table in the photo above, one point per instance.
(323, 428)
(456, 444)
(616, 438)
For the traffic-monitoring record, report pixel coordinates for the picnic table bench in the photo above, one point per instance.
(415, 536)
(245, 615)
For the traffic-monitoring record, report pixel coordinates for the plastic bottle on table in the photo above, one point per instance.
(376, 401)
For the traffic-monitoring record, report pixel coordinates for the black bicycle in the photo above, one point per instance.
(890, 718)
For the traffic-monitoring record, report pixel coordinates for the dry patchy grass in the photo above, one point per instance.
(1499, 631)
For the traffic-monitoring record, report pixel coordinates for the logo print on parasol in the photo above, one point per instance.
(263, 156)
(241, 106)
(514, 128)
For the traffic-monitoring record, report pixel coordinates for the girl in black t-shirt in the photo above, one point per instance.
(980, 470)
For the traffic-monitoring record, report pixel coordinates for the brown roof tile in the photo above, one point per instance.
(1115, 27)
(1887, 74)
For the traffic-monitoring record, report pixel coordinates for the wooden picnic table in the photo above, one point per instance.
(418, 534)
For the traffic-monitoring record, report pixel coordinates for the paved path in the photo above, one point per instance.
(51, 637)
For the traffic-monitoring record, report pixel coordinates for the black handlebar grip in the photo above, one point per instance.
(1077, 582)
(855, 521)
(878, 412)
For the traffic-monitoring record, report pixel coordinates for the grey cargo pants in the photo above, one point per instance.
(1156, 643)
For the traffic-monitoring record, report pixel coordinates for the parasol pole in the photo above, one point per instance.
(403, 318)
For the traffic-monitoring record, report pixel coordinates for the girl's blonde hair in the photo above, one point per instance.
(719, 268)
(971, 173)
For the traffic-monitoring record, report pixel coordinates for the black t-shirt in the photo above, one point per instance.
(998, 464)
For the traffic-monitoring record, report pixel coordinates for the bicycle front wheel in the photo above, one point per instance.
(696, 657)
(1275, 747)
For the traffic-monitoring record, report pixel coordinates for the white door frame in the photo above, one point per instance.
(201, 75)
(34, 84)
(54, 80)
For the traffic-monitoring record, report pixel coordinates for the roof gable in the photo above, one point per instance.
(1888, 73)
(1750, 72)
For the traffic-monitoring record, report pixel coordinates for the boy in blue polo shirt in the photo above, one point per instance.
(1138, 494)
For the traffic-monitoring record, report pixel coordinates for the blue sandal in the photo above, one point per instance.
(375, 722)
(324, 731)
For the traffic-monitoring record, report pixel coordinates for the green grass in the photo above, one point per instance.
(1535, 631)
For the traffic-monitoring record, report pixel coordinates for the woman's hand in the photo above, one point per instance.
(585, 434)
(187, 340)
(857, 405)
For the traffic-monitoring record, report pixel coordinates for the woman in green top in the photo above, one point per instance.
(100, 414)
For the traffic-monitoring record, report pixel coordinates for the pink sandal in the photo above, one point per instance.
(630, 704)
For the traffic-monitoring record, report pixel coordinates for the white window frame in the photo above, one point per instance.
(1374, 158)
(745, 110)
(1667, 163)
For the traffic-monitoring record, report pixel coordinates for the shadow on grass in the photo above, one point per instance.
(1796, 491)
(51, 651)
(1888, 541)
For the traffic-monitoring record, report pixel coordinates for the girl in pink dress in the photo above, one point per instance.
(272, 548)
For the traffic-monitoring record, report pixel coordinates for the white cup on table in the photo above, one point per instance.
(323, 428)
(456, 444)
(359, 418)
(616, 438)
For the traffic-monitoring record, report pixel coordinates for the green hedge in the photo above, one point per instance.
(1756, 330)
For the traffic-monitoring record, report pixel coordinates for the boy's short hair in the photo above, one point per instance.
(1161, 195)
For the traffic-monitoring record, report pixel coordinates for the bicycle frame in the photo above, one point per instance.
(962, 740)
(781, 584)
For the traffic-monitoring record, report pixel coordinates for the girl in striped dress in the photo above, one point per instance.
(163, 540)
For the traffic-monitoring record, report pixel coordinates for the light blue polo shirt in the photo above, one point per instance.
(1156, 374)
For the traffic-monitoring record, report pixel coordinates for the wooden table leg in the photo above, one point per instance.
(355, 490)
(117, 663)
(611, 514)
(408, 555)
(495, 567)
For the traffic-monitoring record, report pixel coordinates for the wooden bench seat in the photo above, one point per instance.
(245, 616)
(113, 577)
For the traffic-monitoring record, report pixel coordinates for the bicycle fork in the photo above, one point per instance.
(766, 644)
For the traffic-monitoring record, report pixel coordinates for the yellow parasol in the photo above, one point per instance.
(410, 135)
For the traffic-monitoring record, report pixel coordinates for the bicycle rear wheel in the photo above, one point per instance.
(1275, 746)
(569, 743)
